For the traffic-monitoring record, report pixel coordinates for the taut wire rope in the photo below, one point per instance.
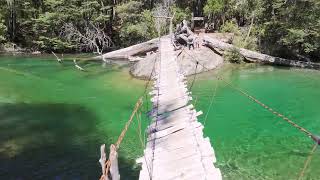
(243, 92)
(122, 134)
(315, 138)
(308, 161)
(211, 102)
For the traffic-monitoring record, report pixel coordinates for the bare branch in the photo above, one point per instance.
(91, 39)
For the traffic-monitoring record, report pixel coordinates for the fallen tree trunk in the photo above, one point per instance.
(126, 53)
(259, 57)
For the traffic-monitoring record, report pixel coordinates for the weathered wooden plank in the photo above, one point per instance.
(176, 148)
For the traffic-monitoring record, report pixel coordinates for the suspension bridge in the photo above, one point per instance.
(176, 147)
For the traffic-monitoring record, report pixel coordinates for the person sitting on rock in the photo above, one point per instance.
(190, 42)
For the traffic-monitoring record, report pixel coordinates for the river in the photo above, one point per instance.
(53, 118)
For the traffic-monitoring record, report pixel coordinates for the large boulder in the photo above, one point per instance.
(144, 67)
(187, 60)
(206, 58)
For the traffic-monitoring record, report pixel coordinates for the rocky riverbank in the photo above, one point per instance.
(187, 61)
(11, 48)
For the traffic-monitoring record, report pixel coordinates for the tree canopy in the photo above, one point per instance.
(288, 28)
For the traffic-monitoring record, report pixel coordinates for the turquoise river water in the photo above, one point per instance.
(54, 118)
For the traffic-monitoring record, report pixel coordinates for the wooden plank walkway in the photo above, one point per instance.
(176, 148)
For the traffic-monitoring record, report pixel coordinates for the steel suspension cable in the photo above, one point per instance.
(305, 131)
(307, 162)
(315, 138)
(301, 129)
(148, 83)
(122, 134)
(142, 141)
(156, 118)
(211, 102)
(194, 77)
(139, 129)
(146, 98)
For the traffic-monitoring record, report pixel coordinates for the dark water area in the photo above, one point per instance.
(53, 119)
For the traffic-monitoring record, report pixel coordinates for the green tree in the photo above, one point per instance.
(180, 14)
(133, 25)
(291, 28)
(215, 10)
(282, 28)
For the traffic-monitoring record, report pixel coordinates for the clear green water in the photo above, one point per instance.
(250, 142)
(53, 119)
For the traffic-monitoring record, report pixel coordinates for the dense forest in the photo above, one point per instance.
(286, 28)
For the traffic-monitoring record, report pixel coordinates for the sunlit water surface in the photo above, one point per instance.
(53, 119)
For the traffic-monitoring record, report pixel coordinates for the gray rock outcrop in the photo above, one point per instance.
(187, 61)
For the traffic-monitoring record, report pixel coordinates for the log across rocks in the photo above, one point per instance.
(258, 57)
(130, 51)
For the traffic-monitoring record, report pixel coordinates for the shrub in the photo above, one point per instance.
(249, 43)
(230, 27)
(181, 14)
(233, 55)
(240, 35)
(134, 25)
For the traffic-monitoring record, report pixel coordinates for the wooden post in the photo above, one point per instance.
(112, 164)
(102, 160)
(113, 157)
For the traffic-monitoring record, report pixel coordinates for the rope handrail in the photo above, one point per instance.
(136, 108)
(123, 133)
(121, 136)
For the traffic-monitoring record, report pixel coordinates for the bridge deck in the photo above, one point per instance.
(176, 148)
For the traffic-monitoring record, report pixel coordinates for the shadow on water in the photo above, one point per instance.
(52, 141)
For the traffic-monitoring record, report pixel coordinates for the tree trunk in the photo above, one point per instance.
(125, 53)
(250, 28)
(259, 57)
(12, 19)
